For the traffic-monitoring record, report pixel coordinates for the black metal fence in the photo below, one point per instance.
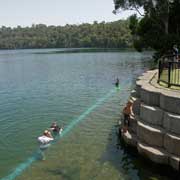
(169, 71)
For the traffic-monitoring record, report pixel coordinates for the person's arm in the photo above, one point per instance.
(131, 110)
(51, 128)
(50, 135)
(51, 139)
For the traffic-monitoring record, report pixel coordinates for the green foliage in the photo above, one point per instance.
(128, 4)
(159, 28)
(97, 35)
(133, 23)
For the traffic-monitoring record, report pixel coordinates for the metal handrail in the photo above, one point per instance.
(169, 70)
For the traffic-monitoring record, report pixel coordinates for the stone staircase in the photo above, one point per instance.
(155, 126)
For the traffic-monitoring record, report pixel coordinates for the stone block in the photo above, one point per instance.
(156, 155)
(149, 96)
(151, 114)
(172, 144)
(171, 122)
(154, 136)
(170, 102)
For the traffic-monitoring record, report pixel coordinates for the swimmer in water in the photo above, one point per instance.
(55, 128)
(117, 83)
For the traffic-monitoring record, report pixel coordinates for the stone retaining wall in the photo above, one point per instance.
(155, 126)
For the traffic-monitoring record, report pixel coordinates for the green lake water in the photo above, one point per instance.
(38, 87)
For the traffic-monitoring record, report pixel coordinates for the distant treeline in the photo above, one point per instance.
(97, 35)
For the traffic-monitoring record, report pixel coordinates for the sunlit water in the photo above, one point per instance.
(37, 89)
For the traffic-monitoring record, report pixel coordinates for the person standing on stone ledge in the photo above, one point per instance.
(127, 111)
(175, 53)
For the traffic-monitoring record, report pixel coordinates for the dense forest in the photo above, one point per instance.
(97, 35)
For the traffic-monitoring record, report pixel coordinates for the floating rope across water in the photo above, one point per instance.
(23, 166)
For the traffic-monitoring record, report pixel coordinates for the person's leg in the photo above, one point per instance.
(124, 122)
(126, 119)
(42, 154)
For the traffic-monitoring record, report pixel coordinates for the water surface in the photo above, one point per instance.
(39, 86)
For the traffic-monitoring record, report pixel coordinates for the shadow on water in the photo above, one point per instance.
(133, 166)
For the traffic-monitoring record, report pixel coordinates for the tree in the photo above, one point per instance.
(104, 35)
(158, 27)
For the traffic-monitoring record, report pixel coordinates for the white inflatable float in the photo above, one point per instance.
(44, 139)
(44, 142)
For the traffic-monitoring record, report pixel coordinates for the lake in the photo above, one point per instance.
(76, 89)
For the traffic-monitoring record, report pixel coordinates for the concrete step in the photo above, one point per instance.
(132, 125)
(157, 155)
(136, 105)
(151, 114)
(152, 135)
(129, 138)
(172, 144)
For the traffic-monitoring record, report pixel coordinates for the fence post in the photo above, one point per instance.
(169, 74)
(159, 71)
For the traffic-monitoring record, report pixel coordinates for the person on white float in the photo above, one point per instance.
(44, 142)
(46, 138)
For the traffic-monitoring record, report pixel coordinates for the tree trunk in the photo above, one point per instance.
(166, 18)
(166, 25)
